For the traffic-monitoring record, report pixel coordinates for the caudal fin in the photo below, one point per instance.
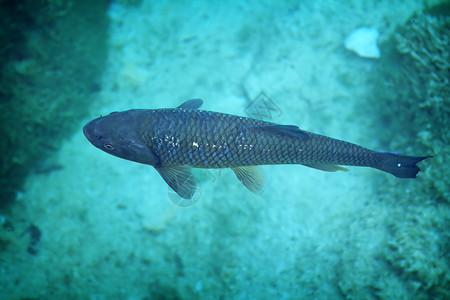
(401, 166)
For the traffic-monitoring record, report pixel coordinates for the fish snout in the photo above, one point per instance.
(88, 131)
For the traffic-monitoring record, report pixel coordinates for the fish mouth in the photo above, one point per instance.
(88, 130)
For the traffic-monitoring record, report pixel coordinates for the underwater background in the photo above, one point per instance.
(77, 223)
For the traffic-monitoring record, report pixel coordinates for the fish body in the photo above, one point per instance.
(174, 139)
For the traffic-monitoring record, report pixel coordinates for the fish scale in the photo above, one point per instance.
(234, 140)
(174, 139)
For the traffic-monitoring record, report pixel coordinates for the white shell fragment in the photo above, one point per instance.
(363, 41)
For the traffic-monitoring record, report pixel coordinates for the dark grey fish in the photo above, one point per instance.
(174, 139)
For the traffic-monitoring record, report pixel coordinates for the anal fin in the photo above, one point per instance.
(251, 177)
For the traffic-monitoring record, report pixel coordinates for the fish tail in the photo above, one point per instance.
(401, 166)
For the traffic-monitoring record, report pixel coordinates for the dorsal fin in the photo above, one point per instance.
(191, 104)
(284, 130)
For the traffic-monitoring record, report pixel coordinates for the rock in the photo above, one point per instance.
(363, 41)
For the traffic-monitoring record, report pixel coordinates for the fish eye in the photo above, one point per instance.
(108, 147)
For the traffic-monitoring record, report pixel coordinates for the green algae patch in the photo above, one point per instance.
(411, 97)
(51, 64)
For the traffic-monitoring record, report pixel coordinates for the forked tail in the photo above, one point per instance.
(401, 166)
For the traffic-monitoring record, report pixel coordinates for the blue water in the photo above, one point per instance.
(111, 231)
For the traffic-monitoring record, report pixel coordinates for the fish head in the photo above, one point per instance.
(117, 135)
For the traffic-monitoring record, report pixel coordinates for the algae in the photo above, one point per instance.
(52, 56)
(411, 96)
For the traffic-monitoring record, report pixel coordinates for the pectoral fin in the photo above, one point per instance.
(327, 168)
(180, 179)
(251, 177)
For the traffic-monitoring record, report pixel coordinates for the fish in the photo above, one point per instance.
(175, 140)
